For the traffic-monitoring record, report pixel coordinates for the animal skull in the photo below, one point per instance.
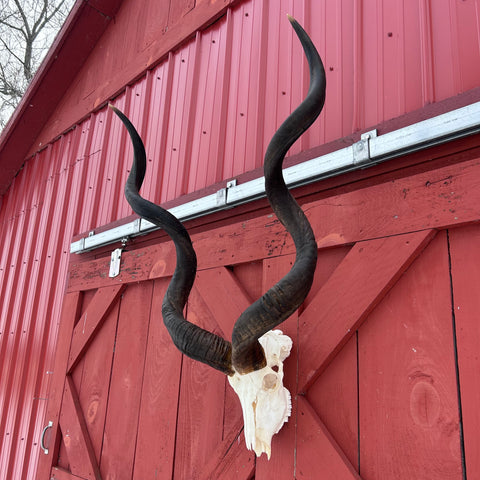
(266, 403)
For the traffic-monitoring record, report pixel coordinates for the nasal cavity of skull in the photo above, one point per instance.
(269, 381)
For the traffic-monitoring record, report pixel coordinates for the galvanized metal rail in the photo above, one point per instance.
(369, 151)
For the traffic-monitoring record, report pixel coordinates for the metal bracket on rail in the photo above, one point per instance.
(361, 149)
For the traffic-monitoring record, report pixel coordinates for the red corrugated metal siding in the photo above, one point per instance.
(52, 80)
(232, 85)
(223, 95)
(33, 265)
(206, 114)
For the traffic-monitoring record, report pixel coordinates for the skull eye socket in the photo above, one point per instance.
(269, 381)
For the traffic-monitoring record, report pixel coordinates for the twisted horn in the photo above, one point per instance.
(245, 354)
(192, 340)
(278, 303)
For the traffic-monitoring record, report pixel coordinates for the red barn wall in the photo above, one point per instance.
(206, 111)
(383, 58)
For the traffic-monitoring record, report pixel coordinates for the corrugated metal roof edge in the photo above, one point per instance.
(48, 85)
(397, 124)
(66, 56)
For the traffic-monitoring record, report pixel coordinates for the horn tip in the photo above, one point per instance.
(290, 18)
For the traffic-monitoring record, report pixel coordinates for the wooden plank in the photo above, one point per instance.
(433, 199)
(318, 454)
(120, 432)
(59, 474)
(155, 449)
(91, 321)
(201, 405)
(200, 418)
(409, 425)
(239, 463)
(419, 202)
(334, 397)
(220, 283)
(465, 258)
(80, 452)
(359, 283)
(70, 311)
(233, 408)
(62, 458)
(249, 276)
(282, 461)
(328, 260)
(231, 459)
(94, 383)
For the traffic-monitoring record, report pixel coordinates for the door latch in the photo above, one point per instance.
(116, 259)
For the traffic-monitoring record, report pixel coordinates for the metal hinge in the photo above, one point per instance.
(361, 149)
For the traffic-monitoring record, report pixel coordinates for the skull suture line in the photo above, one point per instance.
(254, 359)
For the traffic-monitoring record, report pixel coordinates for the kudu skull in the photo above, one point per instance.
(254, 359)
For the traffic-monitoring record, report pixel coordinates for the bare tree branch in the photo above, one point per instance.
(24, 18)
(27, 29)
(11, 52)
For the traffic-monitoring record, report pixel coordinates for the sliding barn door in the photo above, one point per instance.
(383, 371)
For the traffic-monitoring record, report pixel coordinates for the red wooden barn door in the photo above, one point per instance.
(389, 397)
(384, 356)
(373, 369)
(132, 407)
(118, 399)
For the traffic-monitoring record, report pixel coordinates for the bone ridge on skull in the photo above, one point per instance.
(266, 403)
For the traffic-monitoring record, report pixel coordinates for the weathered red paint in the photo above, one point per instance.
(406, 379)
(464, 251)
(369, 270)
